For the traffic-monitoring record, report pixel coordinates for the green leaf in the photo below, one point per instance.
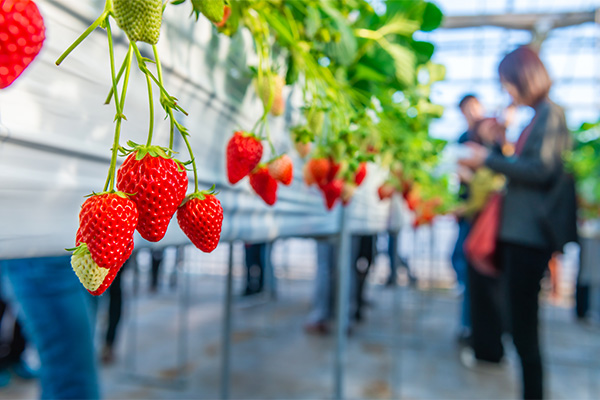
(404, 63)
(432, 17)
(424, 51)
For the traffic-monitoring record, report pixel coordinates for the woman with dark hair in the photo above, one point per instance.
(525, 241)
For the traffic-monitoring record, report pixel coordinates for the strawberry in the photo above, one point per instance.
(332, 191)
(385, 191)
(281, 169)
(226, 15)
(347, 192)
(271, 88)
(360, 174)
(157, 185)
(212, 9)
(22, 34)
(264, 184)
(200, 217)
(315, 119)
(334, 168)
(94, 278)
(413, 199)
(319, 169)
(139, 19)
(303, 149)
(106, 225)
(309, 179)
(244, 152)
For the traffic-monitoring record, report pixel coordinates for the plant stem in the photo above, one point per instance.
(113, 161)
(112, 90)
(151, 102)
(160, 81)
(84, 35)
(187, 144)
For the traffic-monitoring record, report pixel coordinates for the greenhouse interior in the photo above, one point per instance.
(299, 199)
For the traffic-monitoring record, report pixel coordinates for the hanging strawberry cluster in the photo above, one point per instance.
(151, 184)
(356, 69)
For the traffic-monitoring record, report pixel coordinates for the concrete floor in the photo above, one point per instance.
(404, 349)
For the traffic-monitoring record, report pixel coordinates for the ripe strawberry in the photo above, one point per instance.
(360, 174)
(212, 9)
(139, 19)
(157, 185)
(385, 191)
(264, 184)
(94, 278)
(334, 168)
(226, 15)
(332, 191)
(303, 149)
(22, 34)
(244, 152)
(200, 217)
(282, 169)
(413, 200)
(106, 225)
(319, 169)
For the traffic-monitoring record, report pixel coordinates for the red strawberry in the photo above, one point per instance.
(332, 191)
(106, 225)
(22, 34)
(319, 169)
(200, 217)
(385, 191)
(264, 184)
(282, 169)
(361, 173)
(334, 168)
(226, 15)
(157, 185)
(244, 152)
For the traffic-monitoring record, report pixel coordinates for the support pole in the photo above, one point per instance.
(343, 297)
(226, 335)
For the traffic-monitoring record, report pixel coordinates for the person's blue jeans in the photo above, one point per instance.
(459, 263)
(56, 317)
(323, 300)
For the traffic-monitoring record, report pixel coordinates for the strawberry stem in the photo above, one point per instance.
(151, 101)
(160, 81)
(83, 36)
(174, 124)
(112, 90)
(110, 180)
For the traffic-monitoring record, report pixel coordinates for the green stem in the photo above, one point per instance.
(187, 144)
(113, 161)
(119, 75)
(84, 35)
(115, 80)
(160, 81)
(151, 102)
(273, 151)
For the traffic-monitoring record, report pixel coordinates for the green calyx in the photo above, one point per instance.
(200, 195)
(120, 194)
(142, 150)
(80, 249)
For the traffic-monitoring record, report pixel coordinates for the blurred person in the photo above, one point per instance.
(157, 258)
(364, 255)
(322, 310)
(394, 224)
(483, 308)
(115, 310)
(56, 315)
(255, 258)
(12, 347)
(526, 241)
(473, 112)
